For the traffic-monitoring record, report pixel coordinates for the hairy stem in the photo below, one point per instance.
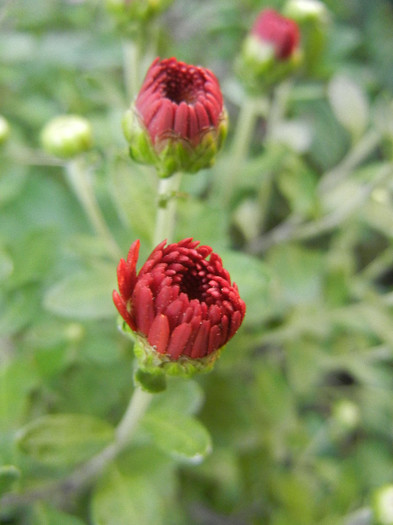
(166, 210)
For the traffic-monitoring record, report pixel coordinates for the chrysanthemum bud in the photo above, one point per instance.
(383, 505)
(131, 12)
(271, 50)
(178, 121)
(4, 129)
(67, 136)
(181, 306)
(313, 18)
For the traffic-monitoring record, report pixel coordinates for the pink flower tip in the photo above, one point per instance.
(182, 301)
(282, 33)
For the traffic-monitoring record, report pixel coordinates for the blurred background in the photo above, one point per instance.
(299, 407)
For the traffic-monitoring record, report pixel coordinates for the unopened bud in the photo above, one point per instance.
(178, 121)
(4, 129)
(383, 505)
(270, 52)
(313, 18)
(67, 136)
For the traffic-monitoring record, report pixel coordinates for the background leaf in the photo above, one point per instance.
(64, 439)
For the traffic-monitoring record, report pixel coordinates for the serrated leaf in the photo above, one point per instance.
(181, 436)
(64, 439)
(121, 498)
(349, 104)
(84, 295)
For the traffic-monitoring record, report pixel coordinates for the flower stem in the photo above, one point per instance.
(240, 145)
(79, 180)
(131, 58)
(165, 220)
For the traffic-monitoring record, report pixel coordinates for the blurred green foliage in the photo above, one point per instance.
(299, 406)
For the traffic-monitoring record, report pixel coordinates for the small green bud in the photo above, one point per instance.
(383, 505)
(306, 11)
(346, 414)
(67, 136)
(129, 14)
(313, 19)
(4, 129)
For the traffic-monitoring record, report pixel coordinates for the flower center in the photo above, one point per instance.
(193, 286)
(182, 84)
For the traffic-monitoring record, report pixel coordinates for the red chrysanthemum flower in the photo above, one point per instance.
(182, 302)
(181, 110)
(282, 33)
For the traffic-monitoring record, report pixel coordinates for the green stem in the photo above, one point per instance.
(79, 180)
(165, 220)
(240, 146)
(131, 60)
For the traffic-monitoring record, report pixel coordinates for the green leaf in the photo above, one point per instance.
(64, 439)
(125, 499)
(9, 475)
(6, 265)
(45, 515)
(184, 396)
(349, 104)
(16, 380)
(182, 436)
(84, 295)
(299, 273)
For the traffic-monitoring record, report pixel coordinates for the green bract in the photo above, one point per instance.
(173, 153)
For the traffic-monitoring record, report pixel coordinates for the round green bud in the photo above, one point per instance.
(67, 136)
(306, 11)
(4, 129)
(383, 505)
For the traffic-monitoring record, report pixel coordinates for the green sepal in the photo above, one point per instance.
(152, 362)
(150, 382)
(171, 154)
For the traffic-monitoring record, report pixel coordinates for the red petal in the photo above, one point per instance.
(182, 120)
(236, 321)
(214, 339)
(162, 121)
(143, 307)
(202, 116)
(159, 333)
(200, 346)
(173, 312)
(179, 340)
(193, 129)
(122, 309)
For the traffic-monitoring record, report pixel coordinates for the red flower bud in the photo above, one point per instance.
(282, 33)
(180, 107)
(181, 303)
